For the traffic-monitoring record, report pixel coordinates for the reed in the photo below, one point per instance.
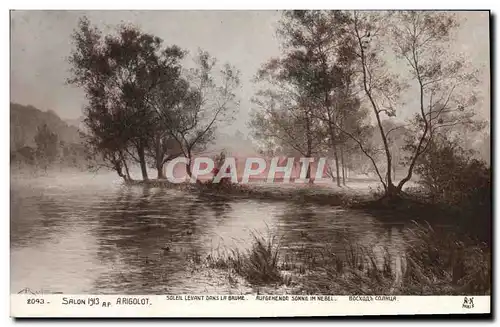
(259, 265)
(431, 264)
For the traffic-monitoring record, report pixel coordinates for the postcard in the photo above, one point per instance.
(250, 163)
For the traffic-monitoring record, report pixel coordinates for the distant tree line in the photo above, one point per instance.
(145, 106)
(49, 151)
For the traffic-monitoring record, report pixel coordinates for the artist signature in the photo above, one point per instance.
(28, 290)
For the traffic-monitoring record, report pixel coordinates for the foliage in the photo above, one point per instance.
(47, 146)
(141, 104)
(445, 172)
(209, 99)
(453, 177)
(334, 69)
(306, 104)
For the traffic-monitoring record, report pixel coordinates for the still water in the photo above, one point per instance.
(91, 234)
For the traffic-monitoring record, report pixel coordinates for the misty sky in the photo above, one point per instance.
(41, 43)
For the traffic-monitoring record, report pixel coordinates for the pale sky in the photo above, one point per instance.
(41, 42)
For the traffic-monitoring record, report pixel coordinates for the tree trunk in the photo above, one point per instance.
(159, 159)
(126, 170)
(188, 169)
(347, 168)
(392, 194)
(118, 169)
(343, 164)
(337, 168)
(189, 172)
(159, 169)
(308, 174)
(309, 147)
(334, 147)
(389, 185)
(142, 162)
(124, 163)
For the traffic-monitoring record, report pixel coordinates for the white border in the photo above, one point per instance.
(185, 4)
(248, 306)
(248, 5)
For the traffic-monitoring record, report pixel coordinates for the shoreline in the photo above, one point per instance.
(408, 208)
(311, 193)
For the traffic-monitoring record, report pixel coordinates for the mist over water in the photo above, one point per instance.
(84, 233)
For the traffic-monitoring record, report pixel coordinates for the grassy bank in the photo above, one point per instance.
(431, 264)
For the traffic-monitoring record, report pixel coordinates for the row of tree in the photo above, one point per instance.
(144, 106)
(48, 152)
(340, 81)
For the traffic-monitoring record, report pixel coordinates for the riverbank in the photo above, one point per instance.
(362, 197)
(431, 264)
(307, 193)
(412, 206)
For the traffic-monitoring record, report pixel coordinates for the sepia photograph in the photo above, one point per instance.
(275, 156)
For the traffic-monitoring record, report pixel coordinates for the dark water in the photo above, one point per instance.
(86, 234)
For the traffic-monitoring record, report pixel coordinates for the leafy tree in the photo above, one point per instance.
(106, 133)
(311, 41)
(312, 86)
(337, 64)
(167, 101)
(120, 74)
(141, 104)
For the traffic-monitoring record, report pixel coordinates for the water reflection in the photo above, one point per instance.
(142, 237)
(115, 239)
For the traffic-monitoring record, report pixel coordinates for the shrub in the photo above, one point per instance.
(452, 177)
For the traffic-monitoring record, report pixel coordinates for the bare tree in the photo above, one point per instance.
(381, 88)
(209, 100)
(284, 117)
(445, 83)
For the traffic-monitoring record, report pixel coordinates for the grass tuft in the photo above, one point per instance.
(433, 263)
(259, 265)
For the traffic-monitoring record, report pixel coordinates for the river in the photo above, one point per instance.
(90, 234)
